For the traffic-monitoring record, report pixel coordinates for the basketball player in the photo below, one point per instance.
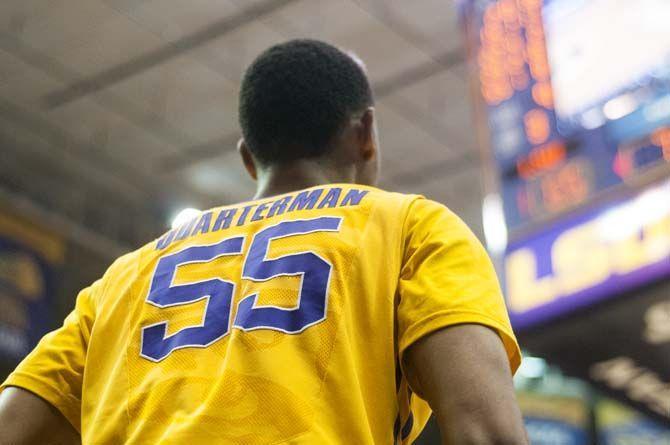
(324, 311)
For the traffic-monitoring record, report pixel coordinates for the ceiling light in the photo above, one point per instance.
(620, 106)
(532, 367)
(495, 229)
(184, 216)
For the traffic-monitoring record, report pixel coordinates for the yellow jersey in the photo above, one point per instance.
(277, 321)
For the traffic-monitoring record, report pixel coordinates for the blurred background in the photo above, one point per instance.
(544, 124)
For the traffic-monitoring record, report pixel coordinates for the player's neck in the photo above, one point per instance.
(276, 180)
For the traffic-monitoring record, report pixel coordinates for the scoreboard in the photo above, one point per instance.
(576, 95)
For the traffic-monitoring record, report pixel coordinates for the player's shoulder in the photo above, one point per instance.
(124, 266)
(431, 220)
(413, 200)
(422, 218)
(420, 207)
(389, 200)
(411, 208)
(414, 215)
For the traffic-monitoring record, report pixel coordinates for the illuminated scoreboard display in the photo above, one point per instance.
(576, 95)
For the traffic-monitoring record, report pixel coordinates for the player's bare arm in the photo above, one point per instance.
(464, 374)
(26, 419)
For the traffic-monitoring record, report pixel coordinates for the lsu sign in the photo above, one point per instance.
(589, 258)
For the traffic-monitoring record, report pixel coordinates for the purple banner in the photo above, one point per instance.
(589, 258)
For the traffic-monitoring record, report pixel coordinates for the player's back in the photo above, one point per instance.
(282, 320)
(253, 324)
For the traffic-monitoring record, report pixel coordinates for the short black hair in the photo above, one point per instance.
(296, 96)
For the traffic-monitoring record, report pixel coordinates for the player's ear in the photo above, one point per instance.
(247, 159)
(368, 135)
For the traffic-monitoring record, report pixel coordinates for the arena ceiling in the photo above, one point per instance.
(116, 113)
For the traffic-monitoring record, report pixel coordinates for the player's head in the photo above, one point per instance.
(307, 100)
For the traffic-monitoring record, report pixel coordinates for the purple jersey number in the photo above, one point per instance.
(311, 308)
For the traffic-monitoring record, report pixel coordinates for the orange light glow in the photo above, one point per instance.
(507, 10)
(541, 159)
(623, 164)
(564, 189)
(501, 57)
(661, 137)
(543, 94)
(512, 53)
(537, 126)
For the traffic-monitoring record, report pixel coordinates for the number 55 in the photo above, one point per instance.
(311, 308)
